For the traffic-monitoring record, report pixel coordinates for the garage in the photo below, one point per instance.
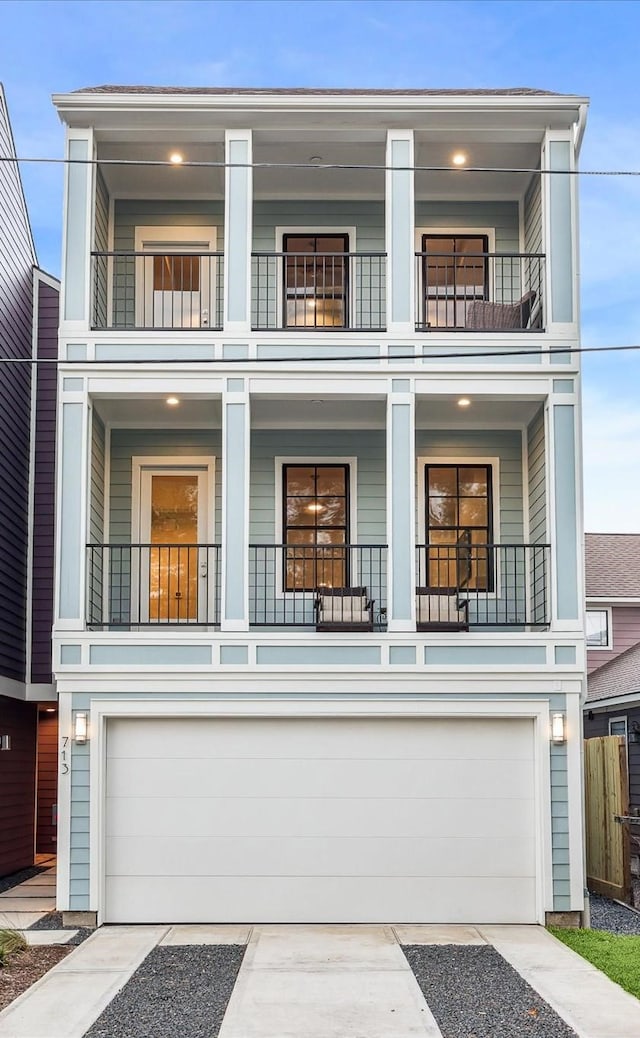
(320, 819)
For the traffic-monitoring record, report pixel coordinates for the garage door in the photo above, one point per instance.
(307, 820)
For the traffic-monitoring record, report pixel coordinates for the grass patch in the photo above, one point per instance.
(11, 942)
(617, 956)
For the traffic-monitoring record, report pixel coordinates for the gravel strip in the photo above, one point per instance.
(53, 921)
(613, 917)
(177, 992)
(8, 882)
(474, 993)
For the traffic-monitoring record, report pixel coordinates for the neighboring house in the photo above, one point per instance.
(319, 615)
(612, 707)
(28, 709)
(612, 563)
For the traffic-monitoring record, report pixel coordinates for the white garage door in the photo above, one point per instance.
(307, 820)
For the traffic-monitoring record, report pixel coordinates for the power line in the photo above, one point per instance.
(549, 351)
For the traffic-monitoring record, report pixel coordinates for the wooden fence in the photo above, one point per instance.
(606, 800)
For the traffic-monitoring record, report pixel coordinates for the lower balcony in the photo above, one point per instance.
(325, 587)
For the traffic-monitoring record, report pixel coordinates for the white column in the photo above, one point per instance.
(77, 231)
(238, 231)
(236, 445)
(401, 506)
(400, 232)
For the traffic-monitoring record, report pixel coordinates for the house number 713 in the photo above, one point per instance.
(64, 767)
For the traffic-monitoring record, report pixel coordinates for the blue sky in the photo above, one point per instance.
(574, 47)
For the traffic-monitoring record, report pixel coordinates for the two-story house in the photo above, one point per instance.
(28, 708)
(319, 628)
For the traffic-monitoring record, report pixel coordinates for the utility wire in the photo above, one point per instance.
(550, 351)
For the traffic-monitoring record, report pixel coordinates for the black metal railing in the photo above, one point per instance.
(286, 582)
(482, 291)
(152, 585)
(327, 291)
(155, 291)
(482, 585)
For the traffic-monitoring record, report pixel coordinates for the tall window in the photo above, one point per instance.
(455, 274)
(597, 628)
(316, 523)
(459, 526)
(316, 278)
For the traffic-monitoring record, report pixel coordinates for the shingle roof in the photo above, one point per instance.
(612, 563)
(431, 92)
(619, 677)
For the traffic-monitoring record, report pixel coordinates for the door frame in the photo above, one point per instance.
(168, 465)
(198, 238)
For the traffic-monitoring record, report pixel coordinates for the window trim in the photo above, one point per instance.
(422, 462)
(451, 232)
(302, 460)
(280, 234)
(599, 609)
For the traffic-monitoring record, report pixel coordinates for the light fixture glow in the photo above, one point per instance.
(80, 728)
(316, 507)
(175, 157)
(50, 710)
(172, 401)
(464, 401)
(459, 158)
(558, 734)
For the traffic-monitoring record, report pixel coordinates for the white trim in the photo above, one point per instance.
(196, 239)
(31, 476)
(250, 707)
(316, 232)
(575, 794)
(609, 600)
(616, 720)
(599, 706)
(609, 647)
(64, 802)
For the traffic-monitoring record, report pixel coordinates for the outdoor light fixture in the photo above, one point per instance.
(315, 160)
(459, 158)
(5, 742)
(80, 728)
(558, 734)
(172, 401)
(176, 158)
(464, 401)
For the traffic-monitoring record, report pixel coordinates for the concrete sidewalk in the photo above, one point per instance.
(24, 904)
(308, 981)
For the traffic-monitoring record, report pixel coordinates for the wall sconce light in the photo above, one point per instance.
(5, 742)
(80, 728)
(558, 734)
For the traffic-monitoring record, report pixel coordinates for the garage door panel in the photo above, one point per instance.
(320, 900)
(314, 778)
(284, 817)
(300, 856)
(268, 738)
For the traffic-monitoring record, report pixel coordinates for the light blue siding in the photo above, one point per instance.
(150, 655)
(485, 655)
(401, 435)
(319, 655)
(561, 244)
(566, 516)
(101, 244)
(533, 215)
(238, 230)
(77, 239)
(96, 513)
(234, 547)
(502, 217)
(366, 217)
(537, 480)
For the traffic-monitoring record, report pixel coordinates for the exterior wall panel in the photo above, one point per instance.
(47, 784)
(17, 785)
(625, 633)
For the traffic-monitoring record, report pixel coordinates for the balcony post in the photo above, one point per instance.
(401, 505)
(76, 250)
(238, 211)
(566, 515)
(400, 231)
(71, 520)
(236, 442)
(559, 193)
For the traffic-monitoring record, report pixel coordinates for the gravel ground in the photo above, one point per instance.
(53, 921)
(611, 916)
(25, 968)
(177, 992)
(474, 993)
(7, 882)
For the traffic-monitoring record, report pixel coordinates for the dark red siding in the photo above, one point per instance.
(626, 632)
(44, 494)
(46, 827)
(17, 785)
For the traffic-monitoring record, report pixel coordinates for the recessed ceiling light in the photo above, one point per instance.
(464, 401)
(315, 160)
(317, 401)
(459, 158)
(50, 710)
(175, 157)
(173, 401)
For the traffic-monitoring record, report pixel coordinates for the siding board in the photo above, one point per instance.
(17, 785)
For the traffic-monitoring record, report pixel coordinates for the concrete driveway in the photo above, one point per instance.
(322, 982)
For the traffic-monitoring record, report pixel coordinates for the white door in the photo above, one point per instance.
(320, 820)
(176, 282)
(173, 582)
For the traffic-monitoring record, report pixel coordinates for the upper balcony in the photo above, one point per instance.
(317, 220)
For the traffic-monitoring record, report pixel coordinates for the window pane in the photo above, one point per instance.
(299, 480)
(443, 511)
(597, 627)
(473, 481)
(618, 727)
(331, 481)
(473, 511)
(443, 482)
(301, 511)
(176, 273)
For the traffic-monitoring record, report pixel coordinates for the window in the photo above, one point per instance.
(618, 726)
(597, 628)
(459, 526)
(176, 282)
(316, 514)
(316, 275)
(455, 274)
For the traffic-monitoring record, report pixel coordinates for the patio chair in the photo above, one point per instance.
(440, 609)
(501, 316)
(343, 609)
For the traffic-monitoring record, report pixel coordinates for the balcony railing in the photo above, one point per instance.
(153, 585)
(147, 291)
(289, 583)
(482, 585)
(482, 291)
(327, 291)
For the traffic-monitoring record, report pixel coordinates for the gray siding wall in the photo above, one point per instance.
(101, 244)
(96, 514)
(533, 215)
(129, 214)
(599, 725)
(537, 480)
(502, 216)
(16, 317)
(626, 632)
